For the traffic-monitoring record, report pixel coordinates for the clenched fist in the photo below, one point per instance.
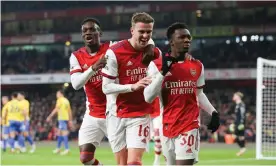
(99, 64)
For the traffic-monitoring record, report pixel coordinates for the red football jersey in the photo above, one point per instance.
(129, 71)
(155, 108)
(96, 99)
(180, 109)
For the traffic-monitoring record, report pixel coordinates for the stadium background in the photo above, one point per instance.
(37, 39)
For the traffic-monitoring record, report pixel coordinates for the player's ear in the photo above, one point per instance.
(131, 30)
(171, 42)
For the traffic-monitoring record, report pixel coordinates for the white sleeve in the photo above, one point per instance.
(201, 79)
(110, 73)
(204, 103)
(111, 68)
(154, 88)
(79, 78)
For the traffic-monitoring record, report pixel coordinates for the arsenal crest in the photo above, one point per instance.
(193, 72)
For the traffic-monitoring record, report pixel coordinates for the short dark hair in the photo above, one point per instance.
(171, 29)
(14, 95)
(90, 19)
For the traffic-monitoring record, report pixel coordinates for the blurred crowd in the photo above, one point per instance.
(232, 55)
(117, 22)
(221, 99)
(41, 107)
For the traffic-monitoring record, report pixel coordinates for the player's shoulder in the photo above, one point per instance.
(104, 46)
(197, 62)
(118, 46)
(79, 52)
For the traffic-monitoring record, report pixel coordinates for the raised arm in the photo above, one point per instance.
(78, 77)
(110, 73)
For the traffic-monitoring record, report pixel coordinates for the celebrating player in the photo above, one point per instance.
(25, 105)
(5, 122)
(128, 120)
(16, 118)
(240, 121)
(178, 83)
(84, 70)
(63, 109)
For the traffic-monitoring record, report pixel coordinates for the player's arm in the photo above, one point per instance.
(54, 112)
(25, 114)
(110, 73)
(205, 104)
(154, 88)
(78, 77)
(70, 112)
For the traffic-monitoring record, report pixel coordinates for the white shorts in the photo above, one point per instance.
(183, 147)
(128, 132)
(92, 130)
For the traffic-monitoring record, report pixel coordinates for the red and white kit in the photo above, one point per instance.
(128, 120)
(93, 127)
(155, 118)
(177, 92)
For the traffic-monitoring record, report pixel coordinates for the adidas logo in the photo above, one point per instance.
(169, 74)
(129, 63)
(85, 66)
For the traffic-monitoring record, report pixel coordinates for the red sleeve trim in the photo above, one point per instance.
(75, 71)
(200, 87)
(108, 76)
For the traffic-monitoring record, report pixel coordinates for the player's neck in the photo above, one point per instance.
(134, 45)
(178, 55)
(92, 49)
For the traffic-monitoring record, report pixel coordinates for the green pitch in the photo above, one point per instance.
(210, 154)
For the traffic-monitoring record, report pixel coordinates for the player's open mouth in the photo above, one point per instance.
(143, 41)
(89, 38)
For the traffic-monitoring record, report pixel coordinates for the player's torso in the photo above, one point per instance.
(63, 108)
(93, 88)
(240, 115)
(180, 112)
(24, 104)
(14, 111)
(130, 71)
